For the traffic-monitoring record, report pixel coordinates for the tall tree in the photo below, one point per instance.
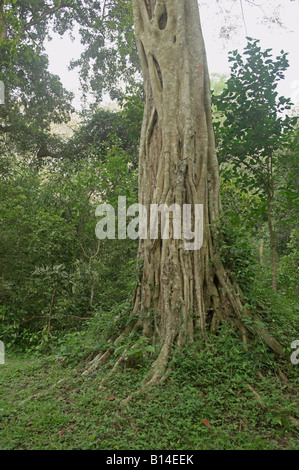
(255, 126)
(179, 291)
(35, 98)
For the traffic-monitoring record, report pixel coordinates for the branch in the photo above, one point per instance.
(38, 20)
(243, 17)
(259, 6)
(257, 396)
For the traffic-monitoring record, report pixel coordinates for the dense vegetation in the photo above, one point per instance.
(64, 293)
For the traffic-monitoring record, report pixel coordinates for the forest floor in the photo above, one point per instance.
(218, 398)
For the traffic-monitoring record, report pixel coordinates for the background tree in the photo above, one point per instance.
(98, 126)
(256, 126)
(54, 273)
(35, 98)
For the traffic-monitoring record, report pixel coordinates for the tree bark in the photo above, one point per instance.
(177, 165)
(180, 291)
(262, 252)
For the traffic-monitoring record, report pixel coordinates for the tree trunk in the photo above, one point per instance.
(3, 27)
(179, 292)
(262, 252)
(273, 247)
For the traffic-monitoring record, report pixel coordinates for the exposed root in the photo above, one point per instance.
(45, 392)
(103, 358)
(229, 305)
(246, 322)
(249, 326)
(257, 396)
(158, 368)
(100, 359)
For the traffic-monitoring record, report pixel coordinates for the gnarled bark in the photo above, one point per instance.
(180, 291)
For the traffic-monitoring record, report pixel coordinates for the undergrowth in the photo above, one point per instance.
(208, 402)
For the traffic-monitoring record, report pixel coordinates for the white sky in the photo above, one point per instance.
(62, 50)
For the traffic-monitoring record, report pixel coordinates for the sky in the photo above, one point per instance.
(62, 50)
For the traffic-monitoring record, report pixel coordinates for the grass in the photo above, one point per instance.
(207, 403)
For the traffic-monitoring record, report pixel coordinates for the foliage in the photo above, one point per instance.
(289, 267)
(254, 133)
(99, 126)
(256, 125)
(237, 249)
(109, 60)
(54, 272)
(207, 403)
(34, 98)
